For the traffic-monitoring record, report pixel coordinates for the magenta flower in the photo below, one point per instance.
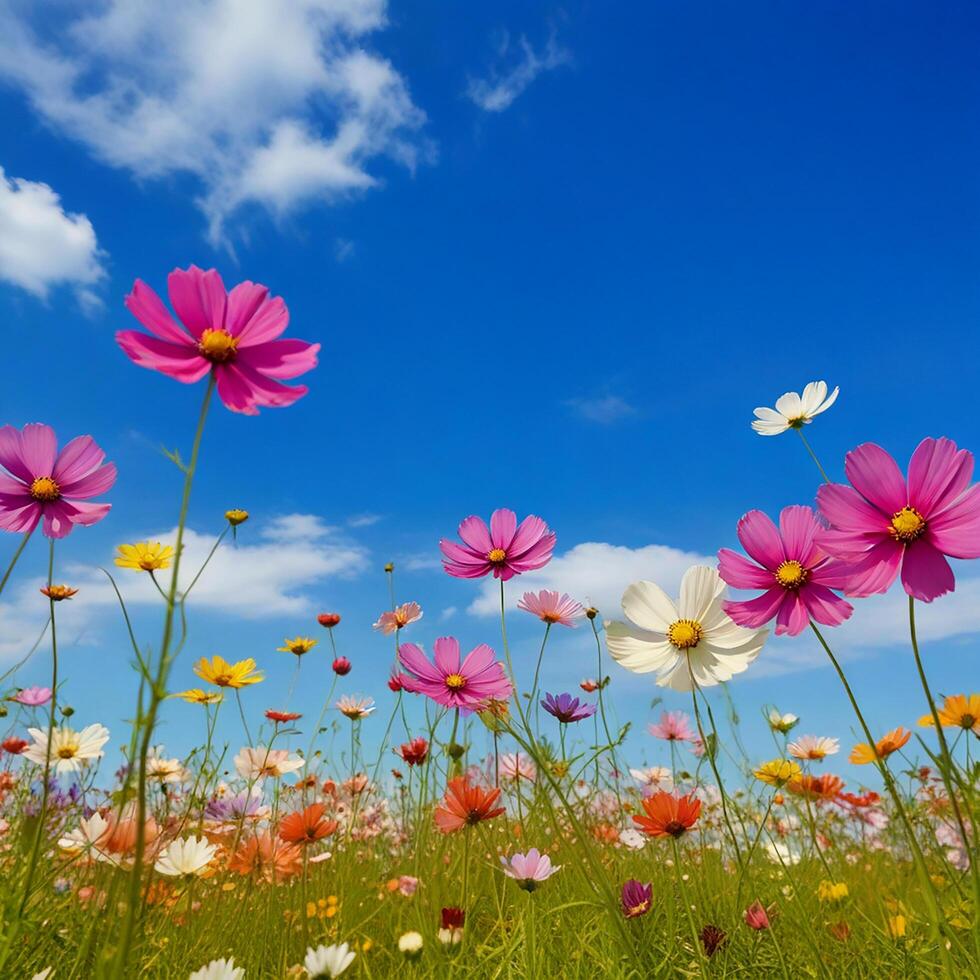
(796, 575)
(636, 898)
(552, 607)
(467, 685)
(231, 334)
(674, 726)
(566, 708)
(45, 483)
(883, 523)
(505, 548)
(32, 697)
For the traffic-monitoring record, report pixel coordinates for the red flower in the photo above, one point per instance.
(824, 787)
(712, 938)
(395, 680)
(306, 826)
(281, 717)
(414, 752)
(341, 666)
(329, 620)
(14, 746)
(466, 806)
(453, 918)
(668, 815)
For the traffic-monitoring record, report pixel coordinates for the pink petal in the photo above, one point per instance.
(844, 508)
(797, 525)
(78, 458)
(938, 474)
(199, 298)
(91, 485)
(185, 364)
(503, 525)
(955, 531)
(876, 571)
(478, 660)
(267, 323)
(148, 308)
(61, 516)
(761, 540)
(824, 606)
(740, 573)
(244, 301)
(265, 391)
(10, 456)
(281, 358)
(474, 532)
(38, 448)
(17, 514)
(412, 658)
(530, 532)
(446, 650)
(926, 574)
(537, 556)
(876, 476)
(793, 617)
(753, 613)
(234, 391)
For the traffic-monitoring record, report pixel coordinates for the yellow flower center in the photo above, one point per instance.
(44, 489)
(791, 574)
(68, 752)
(497, 555)
(218, 345)
(907, 524)
(685, 633)
(455, 682)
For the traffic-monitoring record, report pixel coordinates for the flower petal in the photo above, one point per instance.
(926, 574)
(649, 607)
(876, 476)
(760, 538)
(938, 474)
(199, 298)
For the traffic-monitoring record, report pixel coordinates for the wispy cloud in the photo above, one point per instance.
(602, 409)
(343, 249)
(363, 520)
(509, 76)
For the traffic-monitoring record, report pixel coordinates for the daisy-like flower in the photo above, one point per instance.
(674, 726)
(282, 717)
(32, 697)
(230, 335)
(185, 857)
(465, 806)
(70, 750)
(307, 826)
(42, 484)
(796, 575)
(164, 770)
(414, 753)
(813, 747)
(530, 869)
(328, 961)
(654, 778)
(223, 969)
(236, 516)
(552, 607)
(777, 772)
(666, 815)
(355, 708)
(454, 683)
(58, 593)
(884, 524)
(196, 695)
(793, 410)
(298, 645)
(505, 548)
(219, 672)
(862, 754)
(144, 556)
(514, 767)
(87, 837)
(254, 763)
(783, 723)
(695, 637)
(957, 711)
(400, 617)
(566, 708)
(636, 898)
(825, 787)
(267, 857)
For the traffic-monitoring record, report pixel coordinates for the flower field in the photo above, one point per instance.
(475, 824)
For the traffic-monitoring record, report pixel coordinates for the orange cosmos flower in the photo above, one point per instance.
(825, 787)
(282, 717)
(465, 805)
(668, 815)
(267, 858)
(958, 711)
(862, 754)
(306, 826)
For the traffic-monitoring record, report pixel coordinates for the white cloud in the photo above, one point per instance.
(447, 614)
(509, 78)
(42, 246)
(264, 102)
(343, 249)
(363, 520)
(604, 409)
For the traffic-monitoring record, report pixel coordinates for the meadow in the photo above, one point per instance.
(500, 829)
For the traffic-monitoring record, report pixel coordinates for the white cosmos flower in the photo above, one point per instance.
(328, 961)
(793, 410)
(223, 969)
(164, 770)
(185, 856)
(86, 836)
(655, 777)
(70, 750)
(254, 763)
(782, 723)
(695, 636)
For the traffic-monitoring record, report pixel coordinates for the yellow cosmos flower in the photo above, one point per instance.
(144, 556)
(958, 711)
(236, 517)
(778, 772)
(831, 891)
(195, 695)
(219, 672)
(298, 645)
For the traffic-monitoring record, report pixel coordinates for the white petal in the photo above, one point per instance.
(700, 586)
(813, 394)
(635, 650)
(647, 605)
(789, 405)
(830, 401)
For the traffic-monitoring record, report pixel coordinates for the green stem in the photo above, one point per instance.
(813, 456)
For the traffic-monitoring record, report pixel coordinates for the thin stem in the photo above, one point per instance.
(813, 456)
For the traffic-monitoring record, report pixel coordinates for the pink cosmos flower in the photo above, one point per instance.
(43, 483)
(505, 548)
(32, 697)
(552, 607)
(883, 523)
(232, 334)
(796, 575)
(674, 726)
(530, 869)
(466, 685)
(400, 617)
(515, 767)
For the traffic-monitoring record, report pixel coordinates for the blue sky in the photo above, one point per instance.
(555, 256)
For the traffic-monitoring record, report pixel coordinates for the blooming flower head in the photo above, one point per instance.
(451, 929)
(328, 961)
(70, 750)
(282, 717)
(777, 772)
(414, 753)
(400, 617)
(783, 723)
(514, 766)
(862, 754)
(223, 969)
(654, 777)
(13, 745)
(666, 815)
(884, 524)
(267, 857)
(825, 787)
(505, 548)
(636, 898)
(144, 556)
(832, 891)
(298, 645)
(694, 638)
(341, 666)
(246, 804)
(42, 484)
(794, 573)
(757, 916)
(552, 607)
(566, 708)
(185, 857)
(674, 726)
(589, 685)
(465, 806)
(236, 516)
(232, 335)
(957, 711)
(254, 763)
(162, 770)
(813, 747)
(328, 620)
(32, 697)
(196, 695)
(712, 939)
(530, 869)
(454, 683)
(58, 593)
(219, 672)
(410, 943)
(793, 410)
(306, 826)
(355, 708)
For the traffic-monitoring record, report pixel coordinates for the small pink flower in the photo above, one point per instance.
(884, 523)
(232, 334)
(43, 483)
(756, 916)
(505, 548)
(407, 885)
(466, 684)
(530, 869)
(552, 607)
(32, 697)
(400, 617)
(515, 767)
(674, 726)
(796, 575)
